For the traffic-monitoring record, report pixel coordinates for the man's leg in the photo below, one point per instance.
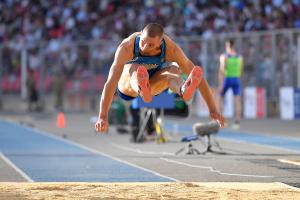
(225, 87)
(168, 77)
(124, 84)
(135, 124)
(238, 108)
(237, 102)
(142, 79)
(161, 80)
(134, 80)
(191, 83)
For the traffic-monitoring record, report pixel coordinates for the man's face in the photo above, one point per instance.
(149, 44)
(228, 46)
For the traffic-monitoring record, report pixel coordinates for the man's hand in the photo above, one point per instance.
(101, 125)
(218, 117)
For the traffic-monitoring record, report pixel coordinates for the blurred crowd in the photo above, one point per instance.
(38, 20)
(79, 37)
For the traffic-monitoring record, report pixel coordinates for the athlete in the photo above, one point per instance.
(147, 63)
(231, 67)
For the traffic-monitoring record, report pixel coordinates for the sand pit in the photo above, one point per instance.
(147, 191)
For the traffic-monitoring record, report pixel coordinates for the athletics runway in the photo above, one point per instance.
(76, 154)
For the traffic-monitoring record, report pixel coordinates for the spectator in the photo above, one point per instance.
(56, 24)
(58, 88)
(33, 97)
(42, 20)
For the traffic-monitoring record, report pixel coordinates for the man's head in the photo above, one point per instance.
(151, 37)
(229, 44)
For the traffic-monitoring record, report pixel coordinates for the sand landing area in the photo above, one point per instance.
(147, 191)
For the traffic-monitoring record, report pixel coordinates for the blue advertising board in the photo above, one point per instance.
(163, 100)
(297, 103)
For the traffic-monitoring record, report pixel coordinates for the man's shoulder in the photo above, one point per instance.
(129, 41)
(168, 40)
(131, 38)
(171, 46)
(223, 55)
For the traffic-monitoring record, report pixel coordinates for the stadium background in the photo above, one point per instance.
(78, 38)
(64, 50)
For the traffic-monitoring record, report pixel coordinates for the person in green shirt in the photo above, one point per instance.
(230, 72)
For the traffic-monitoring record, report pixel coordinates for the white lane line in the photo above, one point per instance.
(141, 151)
(212, 169)
(253, 143)
(186, 164)
(289, 162)
(93, 151)
(23, 174)
(259, 145)
(289, 186)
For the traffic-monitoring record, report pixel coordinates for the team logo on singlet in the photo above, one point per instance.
(150, 66)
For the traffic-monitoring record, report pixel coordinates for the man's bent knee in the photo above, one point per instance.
(174, 70)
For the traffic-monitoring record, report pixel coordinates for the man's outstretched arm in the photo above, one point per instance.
(210, 101)
(187, 65)
(121, 57)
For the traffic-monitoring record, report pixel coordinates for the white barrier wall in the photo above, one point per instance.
(202, 109)
(254, 102)
(200, 105)
(250, 102)
(287, 103)
(229, 104)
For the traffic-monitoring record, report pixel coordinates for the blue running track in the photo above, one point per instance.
(270, 140)
(48, 159)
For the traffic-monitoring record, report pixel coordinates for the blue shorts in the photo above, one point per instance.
(234, 83)
(124, 96)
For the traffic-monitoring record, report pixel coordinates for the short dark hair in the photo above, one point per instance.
(154, 30)
(231, 42)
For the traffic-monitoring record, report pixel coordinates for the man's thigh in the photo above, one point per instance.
(237, 87)
(159, 80)
(124, 82)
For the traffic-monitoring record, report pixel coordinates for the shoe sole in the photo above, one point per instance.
(143, 83)
(191, 83)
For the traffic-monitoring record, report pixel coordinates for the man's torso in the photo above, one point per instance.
(232, 65)
(153, 62)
